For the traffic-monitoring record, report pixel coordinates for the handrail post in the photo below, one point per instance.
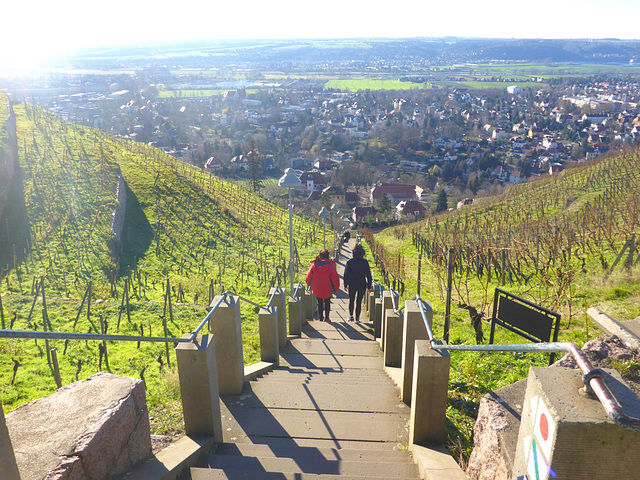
(226, 327)
(198, 374)
(295, 315)
(279, 301)
(387, 305)
(414, 329)
(308, 303)
(393, 327)
(268, 327)
(429, 392)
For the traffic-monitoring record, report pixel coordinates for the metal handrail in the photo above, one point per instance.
(593, 378)
(27, 334)
(204, 321)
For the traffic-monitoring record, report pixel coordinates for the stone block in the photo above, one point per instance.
(269, 344)
(393, 339)
(308, 302)
(495, 434)
(429, 394)
(199, 387)
(226, 328)
(280, 302)
(413, 329)
(295, 317)
(8, 465)
(388, 299)
(566, 434)
(377, 318)
(98, 429)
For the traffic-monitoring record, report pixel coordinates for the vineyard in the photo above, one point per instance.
(187, 236)
(538, 239)
(565, 242)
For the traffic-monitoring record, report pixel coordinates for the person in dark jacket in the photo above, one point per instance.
(323, 279)
(357, 279)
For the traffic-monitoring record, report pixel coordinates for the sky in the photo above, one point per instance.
(33, 30)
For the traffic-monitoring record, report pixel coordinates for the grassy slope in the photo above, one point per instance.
(182, 224)
(589, 211)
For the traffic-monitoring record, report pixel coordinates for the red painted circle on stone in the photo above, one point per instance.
(544, 427)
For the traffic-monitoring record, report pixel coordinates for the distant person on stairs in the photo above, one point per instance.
(323, 279)
(357, 279)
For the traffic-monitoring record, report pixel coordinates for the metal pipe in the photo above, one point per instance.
(204, 321)
(86, 336)
(592, 378)
(276, 291)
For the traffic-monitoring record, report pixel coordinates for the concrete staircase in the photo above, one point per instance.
(327, 412)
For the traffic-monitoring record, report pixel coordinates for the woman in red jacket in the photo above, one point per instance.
(324, 280)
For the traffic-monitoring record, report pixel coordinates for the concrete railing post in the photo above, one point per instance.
(269, 345)
(295, 316)
(567, 432)
(429, 393)
(413, 329)
(371, 304)
(198, 376)
(280, 302)
(387, 305)
(226, 327)
(308, 303)
(377, 318)
(393, 339)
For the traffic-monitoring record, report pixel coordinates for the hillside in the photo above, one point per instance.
(182, 229)
(565, 242)
(180, 222)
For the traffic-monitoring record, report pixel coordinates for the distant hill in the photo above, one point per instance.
(304, 53)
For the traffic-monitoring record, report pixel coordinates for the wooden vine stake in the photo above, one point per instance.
(103, 345)
(45, 321)
(167, 301)
(56, 368)
(84, 298)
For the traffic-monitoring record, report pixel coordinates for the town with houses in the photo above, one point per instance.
(352, 148)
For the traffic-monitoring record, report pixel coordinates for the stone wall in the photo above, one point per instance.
(118, 214)
(8, 150)
(95, 429)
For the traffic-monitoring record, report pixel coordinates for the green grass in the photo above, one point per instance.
(589, 211)
(182, 225)
(355, 85)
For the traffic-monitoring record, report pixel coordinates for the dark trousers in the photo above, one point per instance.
(324, 305)
(355, 297)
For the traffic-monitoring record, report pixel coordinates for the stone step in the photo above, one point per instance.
(333, 347)
(275, 450)
(332, 379)
(337, 396)
(211, 474)
(239, 422)
(295, 359)
(311, 465)
(318, 443)
(308, 376)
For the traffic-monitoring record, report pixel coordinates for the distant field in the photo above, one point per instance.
(358, 84)
(195, 93)
(477, 84)
(539, 70)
